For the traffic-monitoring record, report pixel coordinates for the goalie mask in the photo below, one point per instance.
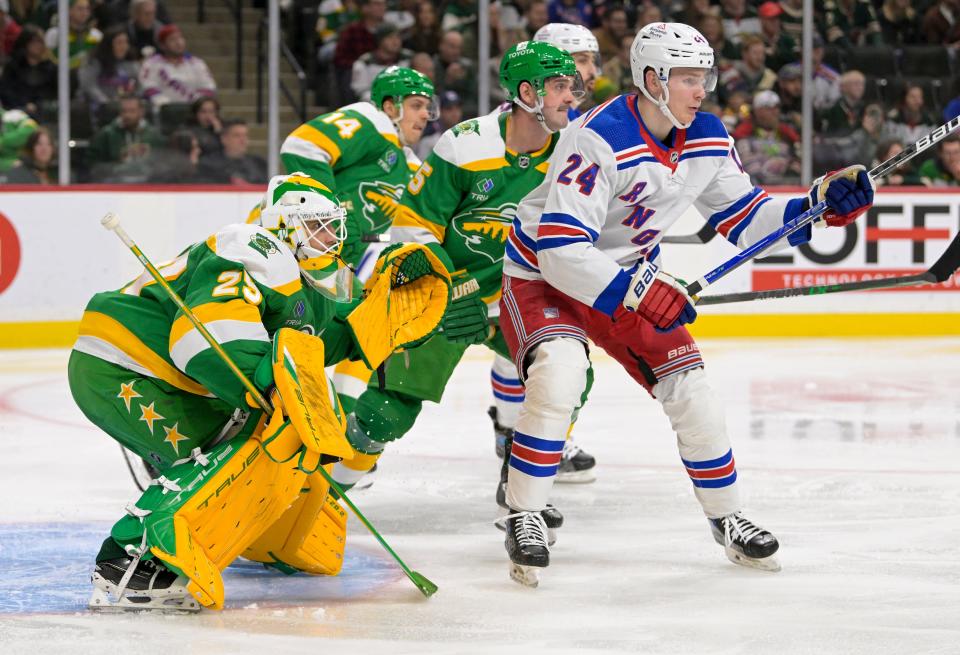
(663, 46)
(307, 216)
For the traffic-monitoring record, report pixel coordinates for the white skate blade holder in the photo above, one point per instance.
(763, 564)
(176, 599)
(528, 576)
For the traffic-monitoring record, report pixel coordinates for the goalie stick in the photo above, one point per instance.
(111, 222)
(798, 223)
(941, 271)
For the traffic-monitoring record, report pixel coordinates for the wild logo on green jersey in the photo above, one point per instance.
(484, 230)
(466, 127)
(381, 201)
(263, 245)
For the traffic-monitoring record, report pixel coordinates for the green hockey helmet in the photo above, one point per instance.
(536, 62)
(398, 82)
(306, 215)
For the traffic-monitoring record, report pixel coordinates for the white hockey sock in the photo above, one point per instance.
(697, 417)
(555, 382)
(508, 391)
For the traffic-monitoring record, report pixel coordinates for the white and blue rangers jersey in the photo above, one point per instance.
(612, 192)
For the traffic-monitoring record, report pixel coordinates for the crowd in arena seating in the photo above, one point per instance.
(144, 109)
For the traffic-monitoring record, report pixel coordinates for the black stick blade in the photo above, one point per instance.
(949, 261)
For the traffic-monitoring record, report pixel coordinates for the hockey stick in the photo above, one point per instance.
(798, 223)
(941, 271)
(703, 235)
(112, 222)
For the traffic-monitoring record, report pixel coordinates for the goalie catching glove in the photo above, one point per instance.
(848, 193)
(659, 298)
(465, 320)
(404, 302)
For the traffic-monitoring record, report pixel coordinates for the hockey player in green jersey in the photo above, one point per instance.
(363, 152)
(232, 480)
(461, 202)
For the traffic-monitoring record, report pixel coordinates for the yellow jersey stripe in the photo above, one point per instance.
(486, 164)
(232, 310)
(392, 138)
(406, 217)
(113, 332)
(312, 135)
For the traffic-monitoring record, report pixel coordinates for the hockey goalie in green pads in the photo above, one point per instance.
(233, 481)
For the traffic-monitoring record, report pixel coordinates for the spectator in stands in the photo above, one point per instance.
(617, 69)
(235, 162)
(143, 28)
(118, 12)
(780, 47)
(389, 52)
(356, 39)
(941, 23)
(9, 31)
(36, 164)
(952, 110)
(738, 19)
(401, 14)
(459, 15)
(750, 74)
(333, 15)
(790, 89)
(173, 74)
(33, 12)
(127, 142)
(16, 126)
(578, 12)
(205, 124)
(179, 163)
(693, 12)
(425, 35)
(826, 81)
(767, 146)
(727, 52)
(451, 113)
(905, 175)
(29, 78)
(736, 110)
(648, 13)
(536, 16)
(111, 71)
(81, 38)
(845, 115)
(613, 27)
(945, 169)
(911, 119)
(899, 23)
(851, 23)
(456, 72)
(792, 18)
(423, 63)
(857, 146)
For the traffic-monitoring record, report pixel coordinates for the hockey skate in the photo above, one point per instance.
(576, 465)
(746, 544)
(148, 586)
(526, 544)
(551, 515)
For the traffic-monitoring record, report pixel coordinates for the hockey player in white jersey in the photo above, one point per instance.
(583, 261)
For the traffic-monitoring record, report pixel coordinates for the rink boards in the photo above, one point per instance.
(54, 255)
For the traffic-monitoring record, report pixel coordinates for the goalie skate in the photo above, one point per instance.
(576, 465)
(745, 543)
(151, 587)
(526, 544)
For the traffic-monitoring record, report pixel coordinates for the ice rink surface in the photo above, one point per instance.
(848, 450)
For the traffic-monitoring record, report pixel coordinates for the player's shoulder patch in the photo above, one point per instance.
(261, 253)
(381, 122)
(472, 141)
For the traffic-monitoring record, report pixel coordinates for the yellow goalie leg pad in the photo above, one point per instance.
(309, 537)
(308, 400)
(227, 513)
(404, 301)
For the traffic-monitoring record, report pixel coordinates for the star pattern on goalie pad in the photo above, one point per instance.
(128, 393)
(149, 415)
(174, 437)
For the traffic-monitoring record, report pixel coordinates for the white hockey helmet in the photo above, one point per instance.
(663, 46)
(307, 216)
(569, 37)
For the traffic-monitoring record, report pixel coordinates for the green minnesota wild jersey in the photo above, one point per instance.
(356, 152)
(465, 197)
(243, 284)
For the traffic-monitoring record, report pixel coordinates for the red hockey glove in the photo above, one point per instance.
(659, 298)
